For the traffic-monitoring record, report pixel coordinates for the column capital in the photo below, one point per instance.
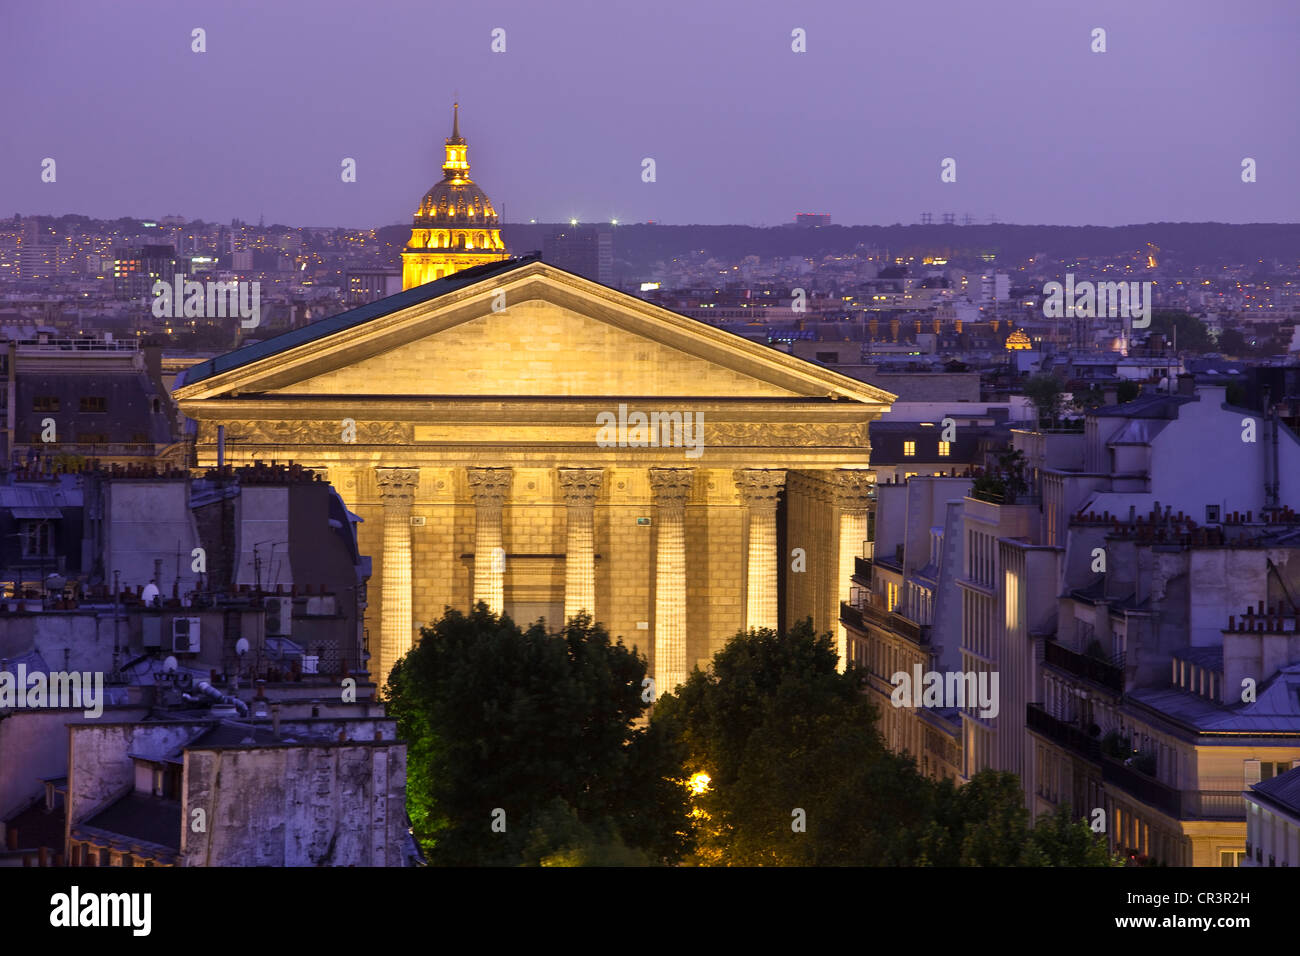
(851, 488)
(397, 484)
(489, 486)
(580, 486)
(760, 487)
(671, 487)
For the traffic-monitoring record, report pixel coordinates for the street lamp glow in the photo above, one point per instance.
(573, 222)
(698, 783)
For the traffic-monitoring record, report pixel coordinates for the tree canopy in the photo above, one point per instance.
(529, 748)
(522, 745)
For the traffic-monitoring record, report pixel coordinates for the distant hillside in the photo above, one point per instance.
(639, 247)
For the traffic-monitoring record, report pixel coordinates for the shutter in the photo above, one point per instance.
(1252, 772)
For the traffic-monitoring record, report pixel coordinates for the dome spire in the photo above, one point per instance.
(456, 166)
(456, 138)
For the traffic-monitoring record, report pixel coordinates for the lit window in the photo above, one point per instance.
(909, 449)
(945, 449)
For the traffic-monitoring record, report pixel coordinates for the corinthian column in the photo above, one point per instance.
(759, 490)
(671, 487)
(851, 488)
(397, 492)
(580, 487)
(489, 487)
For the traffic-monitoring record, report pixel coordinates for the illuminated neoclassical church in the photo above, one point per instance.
(455, 227)
(460, 419)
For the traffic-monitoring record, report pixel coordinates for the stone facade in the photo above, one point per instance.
(482, 473)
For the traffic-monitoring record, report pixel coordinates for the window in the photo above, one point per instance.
(94, 403)
(909, 449)
(832, 358)
(945, 449)
(1269, 770)
(1231, 857)
(37, 538)
(45, 403)
(92, 438)
(1211, 514)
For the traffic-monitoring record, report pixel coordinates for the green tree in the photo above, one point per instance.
(1233, 342)
(1044, 390)
(797, 774)
(1192, 335)
(540, 726)
(1059, 840)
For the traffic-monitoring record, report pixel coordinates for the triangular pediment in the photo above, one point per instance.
(523, 330)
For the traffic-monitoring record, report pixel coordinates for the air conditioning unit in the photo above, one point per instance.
(310, 663)
(185, 635)
(279, 616)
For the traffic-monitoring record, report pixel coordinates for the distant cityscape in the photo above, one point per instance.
(1044, 506)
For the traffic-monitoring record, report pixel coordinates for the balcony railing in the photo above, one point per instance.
(1147, 789)
(859, 617)
(1008, 497)
(862, 568)
(1178, 804)
(1109, 675)
(1213, 805)
(851, 617)
(1058, 731)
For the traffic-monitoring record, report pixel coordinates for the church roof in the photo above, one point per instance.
(275, 358)
(348, 320)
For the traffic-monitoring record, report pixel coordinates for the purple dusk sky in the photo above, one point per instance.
(742, 129)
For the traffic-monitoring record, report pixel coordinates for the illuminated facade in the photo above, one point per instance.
(455, 227)
(468, 439)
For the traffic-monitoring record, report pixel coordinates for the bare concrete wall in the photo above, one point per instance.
(312, 805)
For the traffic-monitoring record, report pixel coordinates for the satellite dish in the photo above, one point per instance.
(170, 664)
(241, 646)
(150, 592)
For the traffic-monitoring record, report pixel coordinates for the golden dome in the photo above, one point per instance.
(455, 227)
(1018, 341)
(456, 199)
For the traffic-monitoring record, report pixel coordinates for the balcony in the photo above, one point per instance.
(1008, 497)
(1058, 731)
(862, 568)
(859, 617)
(1213, 805)
(1147, 789)
(1109, 674)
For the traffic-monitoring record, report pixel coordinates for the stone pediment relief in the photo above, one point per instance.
(718, 435)
(318, 432)
(785, 435)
